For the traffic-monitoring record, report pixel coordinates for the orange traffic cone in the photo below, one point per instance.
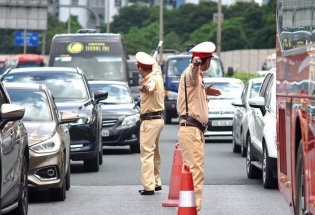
(173, 194)
(187, 200)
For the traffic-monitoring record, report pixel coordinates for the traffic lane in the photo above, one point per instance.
(121, 167)
(121, 200)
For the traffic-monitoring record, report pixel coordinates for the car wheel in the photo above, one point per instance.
(92, 165)
(251, 170)
(58, 194)
(22, 208)
(236, 148)
(68, 180)
(243, 147)
(167, 118)
(300, 206)
(135, 148)
(268, 180)
(100, 157)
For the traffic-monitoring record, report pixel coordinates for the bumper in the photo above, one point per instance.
(83, 144)
(46, 170)
(219, 127)
(122, 136)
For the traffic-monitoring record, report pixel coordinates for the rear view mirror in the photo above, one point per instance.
(100, 95)
(67, 117)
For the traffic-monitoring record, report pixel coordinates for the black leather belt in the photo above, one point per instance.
(202, 127)
(185, 124)
(152, 115)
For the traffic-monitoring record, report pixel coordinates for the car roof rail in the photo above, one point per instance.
(86, 31)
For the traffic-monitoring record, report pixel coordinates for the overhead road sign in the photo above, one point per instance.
(24, 14)
(31, 38)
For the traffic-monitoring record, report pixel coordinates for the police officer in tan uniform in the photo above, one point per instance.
(192, 107)
(152, 122)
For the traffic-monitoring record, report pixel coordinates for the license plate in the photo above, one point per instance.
(105, 133)
(222, 123)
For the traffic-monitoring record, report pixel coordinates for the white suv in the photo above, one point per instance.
(261, 139)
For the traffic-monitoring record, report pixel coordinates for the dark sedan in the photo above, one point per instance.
(121, 115)
(72, 93)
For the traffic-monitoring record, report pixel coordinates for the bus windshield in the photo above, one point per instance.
(109, 67)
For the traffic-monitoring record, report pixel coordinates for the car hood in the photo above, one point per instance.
(221, 104)
(119, 109)
(39, 131)
(77, 106)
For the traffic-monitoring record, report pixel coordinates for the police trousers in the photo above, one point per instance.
(191, 142)
(150, 131)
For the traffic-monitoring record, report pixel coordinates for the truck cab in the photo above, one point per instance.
(172, 69)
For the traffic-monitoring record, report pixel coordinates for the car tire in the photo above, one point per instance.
(243, 147)
(135, 148)
(22, 208)
(267, 174)
(300, 205)
(236, 148)
(167, 118)
(100, 157)
(251, 170)
(58, 194)
(92, 165)
(68, 179)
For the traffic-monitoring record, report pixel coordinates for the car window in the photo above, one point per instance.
(117, 94)
(62, 85)
(35, 104)
(229, 90)
(267, 95)
(254, 90)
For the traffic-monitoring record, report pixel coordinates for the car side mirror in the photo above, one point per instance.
(258, 102)
(100, 95)
(67, 117)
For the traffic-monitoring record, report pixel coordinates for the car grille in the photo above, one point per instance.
(108, 122)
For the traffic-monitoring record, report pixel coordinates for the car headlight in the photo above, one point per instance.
(172, 95)
(83, 120)
(50, 145)
(129, 120)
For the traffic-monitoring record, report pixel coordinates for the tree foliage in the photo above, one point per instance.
(246, 26)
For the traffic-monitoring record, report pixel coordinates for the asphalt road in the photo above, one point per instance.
(114, 189)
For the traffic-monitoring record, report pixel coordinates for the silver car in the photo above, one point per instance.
(240, 120)
(221, 110)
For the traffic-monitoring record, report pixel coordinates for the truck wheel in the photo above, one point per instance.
(300, 206)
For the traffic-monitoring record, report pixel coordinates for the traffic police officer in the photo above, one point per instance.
(192, 107)
(152, 122)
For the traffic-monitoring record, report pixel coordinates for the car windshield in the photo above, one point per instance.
(62, 85)
(109, 67)
(229, 90)
(117, 94)
(35, 104)
(177, 65)
(254, 90)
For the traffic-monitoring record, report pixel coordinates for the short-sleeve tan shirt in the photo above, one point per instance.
(154, 100)
(196, 96)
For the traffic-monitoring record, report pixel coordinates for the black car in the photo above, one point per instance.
(121, 115)
(14, 157)
(72, 93)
